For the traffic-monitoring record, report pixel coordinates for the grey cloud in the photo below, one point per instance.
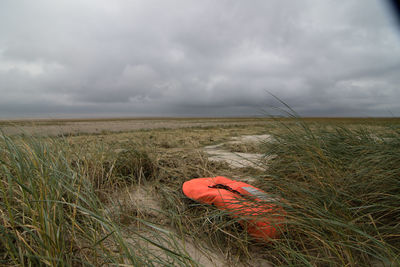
(329, 58)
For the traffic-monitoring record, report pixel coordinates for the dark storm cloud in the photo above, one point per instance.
(324, 58)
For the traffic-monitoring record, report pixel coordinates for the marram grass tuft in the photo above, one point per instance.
(51, 216)
(342, 195)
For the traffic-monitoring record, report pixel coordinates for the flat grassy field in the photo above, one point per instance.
(52, 127)
(108, 191)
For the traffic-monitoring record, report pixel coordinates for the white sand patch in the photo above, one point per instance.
(240, 160)
(199, 253)
(169, 240)
(142, 200)
(251, 138)
(236, 160)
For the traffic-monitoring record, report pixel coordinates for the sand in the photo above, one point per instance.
(238, 159)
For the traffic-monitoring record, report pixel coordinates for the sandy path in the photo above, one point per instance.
(142, 199)
(237, 159)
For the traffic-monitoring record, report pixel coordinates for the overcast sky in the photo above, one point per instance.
(197, 58)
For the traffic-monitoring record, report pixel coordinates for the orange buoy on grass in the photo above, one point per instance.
(255, 208)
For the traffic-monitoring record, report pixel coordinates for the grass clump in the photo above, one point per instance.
(50, 214)
(342, 193)
(135, 164)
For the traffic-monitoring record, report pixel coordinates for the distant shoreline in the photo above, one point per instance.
(74, 119)
(122, 118)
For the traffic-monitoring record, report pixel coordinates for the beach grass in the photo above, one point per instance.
(341, 191)
(116, 199)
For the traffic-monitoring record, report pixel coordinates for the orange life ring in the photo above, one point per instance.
(254, 207)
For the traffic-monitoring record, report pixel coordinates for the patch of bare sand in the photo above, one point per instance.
(199, 256)
(142, 201)
(251, 138)
(240, 160)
